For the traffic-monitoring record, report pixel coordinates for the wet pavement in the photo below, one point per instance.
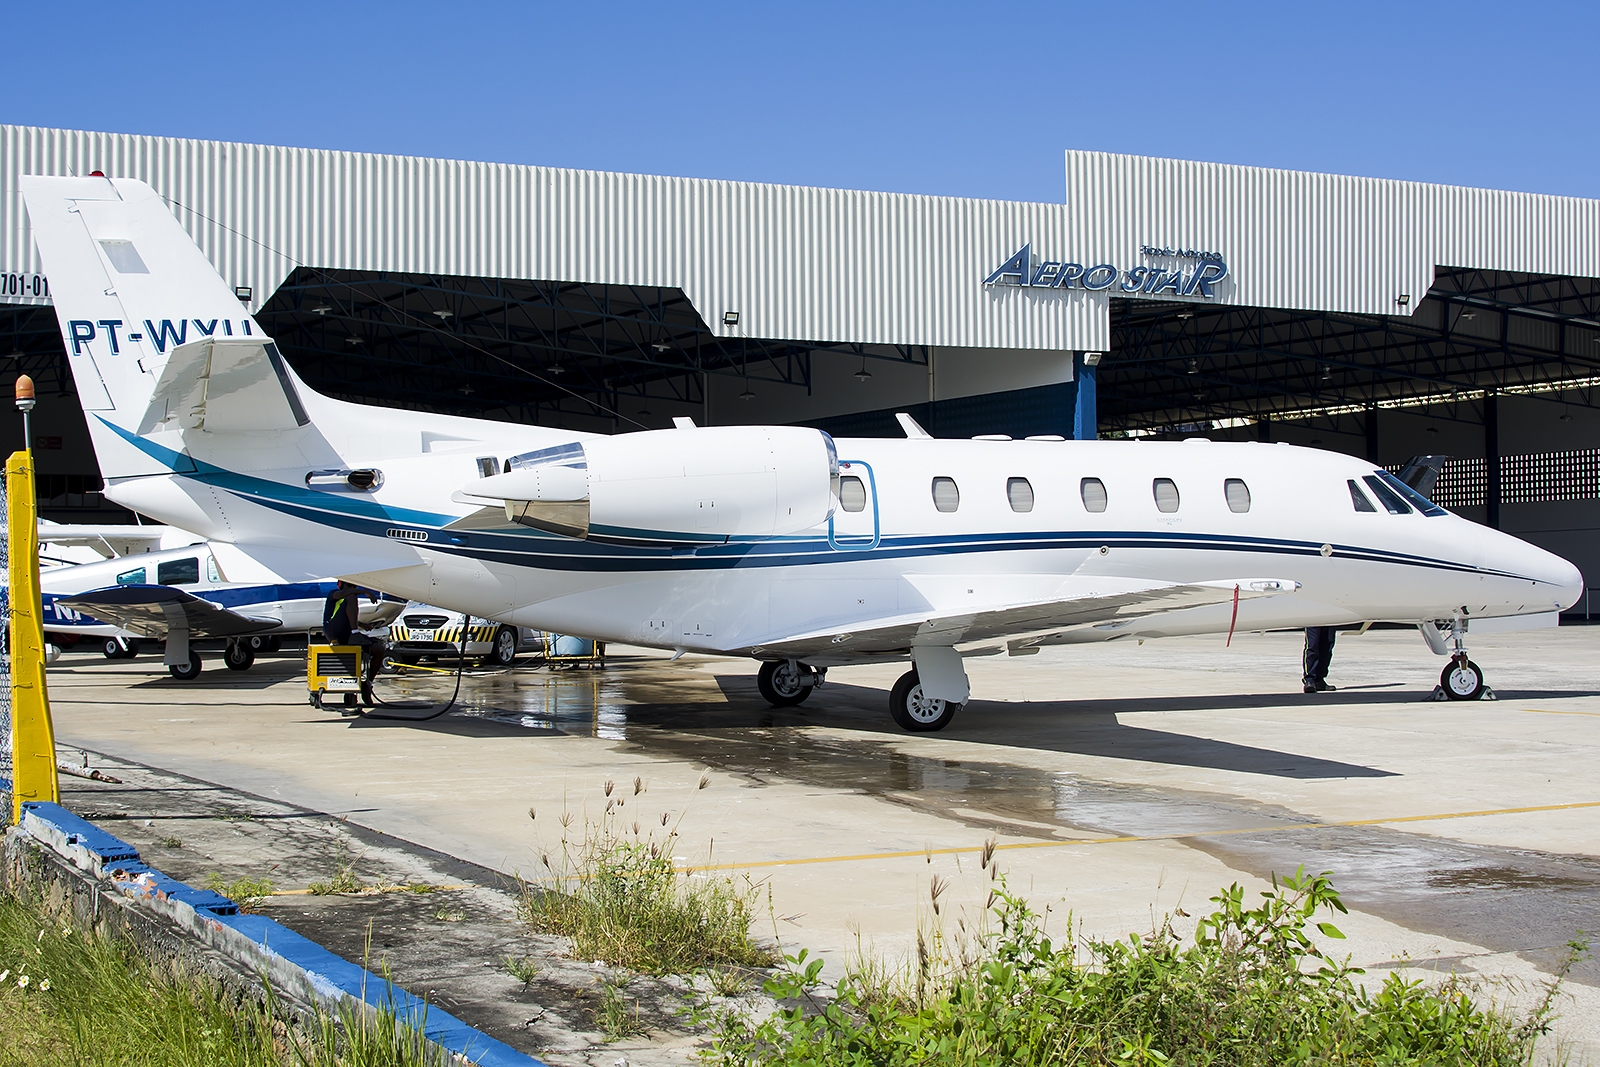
(1120, 781)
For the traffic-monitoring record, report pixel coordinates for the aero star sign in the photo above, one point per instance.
(1208, 269)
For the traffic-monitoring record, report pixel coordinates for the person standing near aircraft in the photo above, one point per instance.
(340, 617)
(1318, 658)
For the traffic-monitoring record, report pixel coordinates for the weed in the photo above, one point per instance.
(613, 1016)
(522, 968)
(170, 842)
(729, 981)
(449, 913)
(420, 887)
(246, 892)
(92, 1001)
(620, 899)
(343, 882)
(1250, 989)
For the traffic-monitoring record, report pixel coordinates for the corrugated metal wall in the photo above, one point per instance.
(818, 264)
(1320, 242)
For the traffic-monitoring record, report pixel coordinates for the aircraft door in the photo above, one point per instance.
(855, 524)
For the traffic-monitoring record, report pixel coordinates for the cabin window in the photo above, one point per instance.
(488, 466)
(852, 494)
(1238, 495)
(1093, 491)
(1166, 494)
(946, 497)
(178, 572)
(1358, 498)
(1387, 497)
(133, 577)
(1019, 492)
(212, 573)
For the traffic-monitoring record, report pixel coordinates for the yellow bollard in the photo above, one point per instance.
(33, 740)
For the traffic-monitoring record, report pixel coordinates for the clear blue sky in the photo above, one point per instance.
(963, 99)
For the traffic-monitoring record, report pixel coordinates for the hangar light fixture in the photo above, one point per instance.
(243, 293)
(730, 318)
(352, 340)
(321, 309)
(747, 394)
(1092, 359)
(863, 375)
(1403, 299)
(443, 314)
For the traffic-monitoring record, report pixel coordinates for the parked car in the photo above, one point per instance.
(424, 631)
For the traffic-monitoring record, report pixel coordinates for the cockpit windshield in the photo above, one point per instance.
(1416, 499)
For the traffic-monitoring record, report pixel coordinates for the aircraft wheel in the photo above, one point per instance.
(917, 712)
(115, 649)
(782, 686)
(1462, 680)
(187, 672)
(505, 647)
(239, 656)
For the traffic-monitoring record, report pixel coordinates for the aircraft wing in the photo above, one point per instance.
(153, 610)
(1059, 619)
(109, 541)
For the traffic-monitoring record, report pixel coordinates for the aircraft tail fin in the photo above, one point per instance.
(152, 332)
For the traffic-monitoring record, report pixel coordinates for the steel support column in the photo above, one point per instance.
(1491, 460)
(1085, 419)
(1372, 434)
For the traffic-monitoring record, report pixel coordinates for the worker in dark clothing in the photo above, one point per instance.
(1318, 657)
(341, 614)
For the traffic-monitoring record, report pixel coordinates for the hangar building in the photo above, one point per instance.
(1161, 298)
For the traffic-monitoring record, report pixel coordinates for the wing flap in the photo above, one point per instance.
(1023, 624)
(154, 610)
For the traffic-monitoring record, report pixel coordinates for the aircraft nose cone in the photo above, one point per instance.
(1563, 582)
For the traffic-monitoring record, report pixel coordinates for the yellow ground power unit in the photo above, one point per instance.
(339, 669)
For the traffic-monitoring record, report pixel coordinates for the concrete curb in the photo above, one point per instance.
(290, 963)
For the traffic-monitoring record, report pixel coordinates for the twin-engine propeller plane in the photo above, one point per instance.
(775, 542)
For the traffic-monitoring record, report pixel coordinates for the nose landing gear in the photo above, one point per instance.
(1462, 679)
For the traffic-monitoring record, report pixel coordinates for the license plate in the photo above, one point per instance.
(422, 635)
(343, 685)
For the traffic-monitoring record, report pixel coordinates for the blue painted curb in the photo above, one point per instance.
(253, 939)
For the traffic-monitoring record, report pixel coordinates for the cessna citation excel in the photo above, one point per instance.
(774, 542)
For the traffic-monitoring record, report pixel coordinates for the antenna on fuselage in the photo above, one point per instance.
(909, 425)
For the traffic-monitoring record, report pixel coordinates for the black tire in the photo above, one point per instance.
(187, 672)
(782, 687)
(389, 665)
(1462, 680)
(917, 713)
(114, 650)
(504, 653)
(239, 656)
(274, 643)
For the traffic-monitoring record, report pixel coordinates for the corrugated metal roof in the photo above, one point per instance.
(811, 264)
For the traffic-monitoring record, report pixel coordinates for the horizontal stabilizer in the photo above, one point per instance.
(109, 540)
(223, 386)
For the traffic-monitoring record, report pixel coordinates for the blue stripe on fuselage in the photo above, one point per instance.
(536, 548)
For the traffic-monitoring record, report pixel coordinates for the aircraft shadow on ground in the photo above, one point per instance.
(1088, 728)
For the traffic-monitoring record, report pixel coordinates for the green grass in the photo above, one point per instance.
(618, 896)
(1249, 989)
(69, 997)
(246, 892)
(343, 882)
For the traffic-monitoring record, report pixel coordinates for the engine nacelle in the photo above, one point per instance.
(691, 485)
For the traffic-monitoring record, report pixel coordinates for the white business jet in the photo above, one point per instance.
(774, 542)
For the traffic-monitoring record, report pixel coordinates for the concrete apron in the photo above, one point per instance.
(74, 863)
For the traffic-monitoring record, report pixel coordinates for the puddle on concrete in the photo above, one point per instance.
(1506, 900)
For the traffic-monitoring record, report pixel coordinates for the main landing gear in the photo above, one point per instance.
(915, 710)
(121, 648)
(785, 683)
(1462, 679)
